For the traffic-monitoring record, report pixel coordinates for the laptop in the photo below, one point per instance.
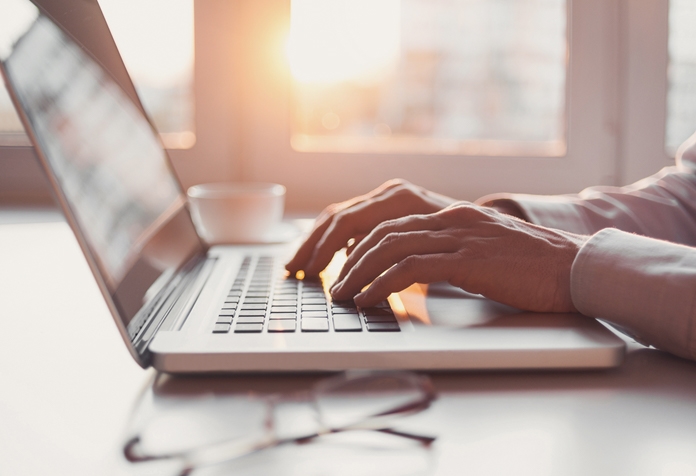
(184, 307)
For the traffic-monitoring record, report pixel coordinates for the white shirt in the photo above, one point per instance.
(638, 270)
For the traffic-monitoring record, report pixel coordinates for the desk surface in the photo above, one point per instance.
(69, 389)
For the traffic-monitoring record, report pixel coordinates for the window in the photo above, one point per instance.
(681, 98)
(432, 76)
(157, 47)
(558, 135)
(571, 94)
(155, 38)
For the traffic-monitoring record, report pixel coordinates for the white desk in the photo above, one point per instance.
(68, 387)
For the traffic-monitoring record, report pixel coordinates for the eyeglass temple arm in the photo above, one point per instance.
(425, 440)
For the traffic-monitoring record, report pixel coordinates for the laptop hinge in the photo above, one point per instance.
(173, 303)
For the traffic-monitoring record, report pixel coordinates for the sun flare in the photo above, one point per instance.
(343, 40)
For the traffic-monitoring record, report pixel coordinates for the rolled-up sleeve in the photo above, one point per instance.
(642, 285)
(662, 206)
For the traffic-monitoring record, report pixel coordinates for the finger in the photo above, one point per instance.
(393, 249)
(343, 227)
(414, 269)
(355, 241)
(304, 252)
(399, 225)
(326, 218)
(323, 221)
(358, 220)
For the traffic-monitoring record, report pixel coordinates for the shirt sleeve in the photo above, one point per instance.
(635, 271)
(662, 206)
(642, 285)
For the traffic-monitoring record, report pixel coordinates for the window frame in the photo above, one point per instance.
(313, 179)
(643, 84)
(615, 103)
(22, 180)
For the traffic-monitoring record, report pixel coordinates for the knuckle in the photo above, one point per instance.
(398, 182)
(386, 226)
(410, 264)
(463, 211)
(343, 219)
(390, 239)
(331, 209)
(400, 187)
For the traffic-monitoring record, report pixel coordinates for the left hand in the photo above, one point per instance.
(475, 248)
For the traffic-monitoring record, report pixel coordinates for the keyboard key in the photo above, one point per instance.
(315, 325)
(259, 289)
(383, 318)
(221, 328)
(277, 309)
(284, 302)
(224, 320)
(282, 315)
(250, 320)
(383, 327)
(314, 301)
(286, 291)
(281, 326)
(313, 295)
(245, 328)
(227, 312)
(322, 314)
(255, 300)
(347, 323)
(252, 313)
(286, 283)
(250, 307)
(344, 310)
(313, 307)
(371, 311)
(231, 300)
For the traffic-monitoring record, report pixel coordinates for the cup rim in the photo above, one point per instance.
(218, 190)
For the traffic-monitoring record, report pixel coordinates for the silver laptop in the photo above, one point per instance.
(184, 307)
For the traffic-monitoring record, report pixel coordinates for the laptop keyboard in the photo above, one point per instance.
(264, 299)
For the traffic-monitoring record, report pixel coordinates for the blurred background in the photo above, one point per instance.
(331, 97)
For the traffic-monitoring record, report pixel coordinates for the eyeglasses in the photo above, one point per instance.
(347, 402)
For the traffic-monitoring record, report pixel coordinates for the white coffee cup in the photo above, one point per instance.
(241, 212)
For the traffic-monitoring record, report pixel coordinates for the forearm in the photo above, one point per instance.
(645, 286)
(662, 206)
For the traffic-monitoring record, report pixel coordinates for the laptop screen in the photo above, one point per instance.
(111, 172)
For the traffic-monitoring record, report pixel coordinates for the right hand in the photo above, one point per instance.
(356, 218)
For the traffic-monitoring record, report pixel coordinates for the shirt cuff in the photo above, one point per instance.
(642, 285)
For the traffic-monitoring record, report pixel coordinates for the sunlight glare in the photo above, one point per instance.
(155, 38)
(343, 40)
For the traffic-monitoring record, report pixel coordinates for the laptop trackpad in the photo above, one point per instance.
(441, 304)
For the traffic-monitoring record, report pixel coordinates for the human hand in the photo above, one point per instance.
(355, 218)
(475, 248)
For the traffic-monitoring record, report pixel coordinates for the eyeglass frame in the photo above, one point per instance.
(221, 452)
